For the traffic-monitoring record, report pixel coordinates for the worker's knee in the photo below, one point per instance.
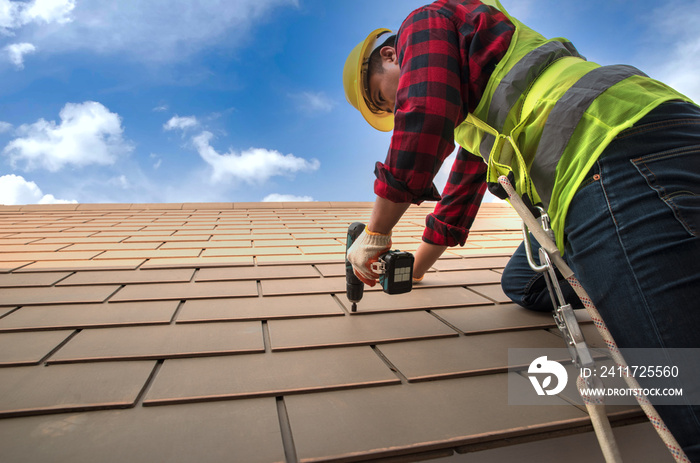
(524, 286)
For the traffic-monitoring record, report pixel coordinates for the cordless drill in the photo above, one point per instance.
(395, 270)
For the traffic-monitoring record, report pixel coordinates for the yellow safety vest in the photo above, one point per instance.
(547, 114)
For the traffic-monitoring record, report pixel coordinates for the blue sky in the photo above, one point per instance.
(142, 101)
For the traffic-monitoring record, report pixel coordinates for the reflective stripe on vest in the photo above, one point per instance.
(521, 75)
(564, 118)
(517, 81)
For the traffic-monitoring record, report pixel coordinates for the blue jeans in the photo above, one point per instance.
(528, 288)
(632, 238)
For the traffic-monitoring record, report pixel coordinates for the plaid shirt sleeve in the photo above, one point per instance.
(449, 223)
(446, 51)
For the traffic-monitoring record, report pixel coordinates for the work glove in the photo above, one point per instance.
(365, 251)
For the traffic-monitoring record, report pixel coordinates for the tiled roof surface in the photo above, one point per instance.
(221, 332)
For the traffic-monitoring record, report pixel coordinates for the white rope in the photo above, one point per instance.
(632, 383)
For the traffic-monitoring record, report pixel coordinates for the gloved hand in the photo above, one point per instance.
(366, 250)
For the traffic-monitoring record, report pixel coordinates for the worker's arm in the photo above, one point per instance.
(385, 215)
(426, 255)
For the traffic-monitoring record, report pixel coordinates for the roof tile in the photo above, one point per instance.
(89, 315)
(331, 270)
(258, 308)
(31, 279)
(303, 286)
(471, 263)
(194, 262)
(495, 318)
(70, 388)
(493, 292)
(351, 330)
(338, 248)
(7, 267)
(166, 291)
(256, 273)
(164, 253)
(112, 247)
(29, 348)
(460, 277)
(440, 358)
(225, 252)
(31, 247)
(302, 258)
(418, 299)
(45, 256)
(198, 379)
(394, 420)
(154, 342)
(123, 277)
(56, 295)
(205, 244)
(73, 265)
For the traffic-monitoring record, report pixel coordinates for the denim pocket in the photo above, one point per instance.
(675, 176)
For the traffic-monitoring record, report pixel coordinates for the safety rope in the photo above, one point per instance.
(595, 406)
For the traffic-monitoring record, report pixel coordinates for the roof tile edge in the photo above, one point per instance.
(184, 206)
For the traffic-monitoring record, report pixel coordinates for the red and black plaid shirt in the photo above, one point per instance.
(447, 51)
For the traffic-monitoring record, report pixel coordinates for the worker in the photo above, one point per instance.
(612, 155)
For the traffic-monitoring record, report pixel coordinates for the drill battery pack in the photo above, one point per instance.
(395, 270)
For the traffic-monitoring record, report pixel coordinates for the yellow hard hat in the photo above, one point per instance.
(355, 77)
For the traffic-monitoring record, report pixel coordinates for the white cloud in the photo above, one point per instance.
(14, 189)
(16, 51)
(158, 160)
(682, 68)
(87, 134)
(9, 16)
(255, 165)
(15, 14)
(48, 11)
(277, 198)
(313, 102)
(181, 123)
(5, 127)
(120, 182)
(679, 58)
(681, 72)
(155, 31)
